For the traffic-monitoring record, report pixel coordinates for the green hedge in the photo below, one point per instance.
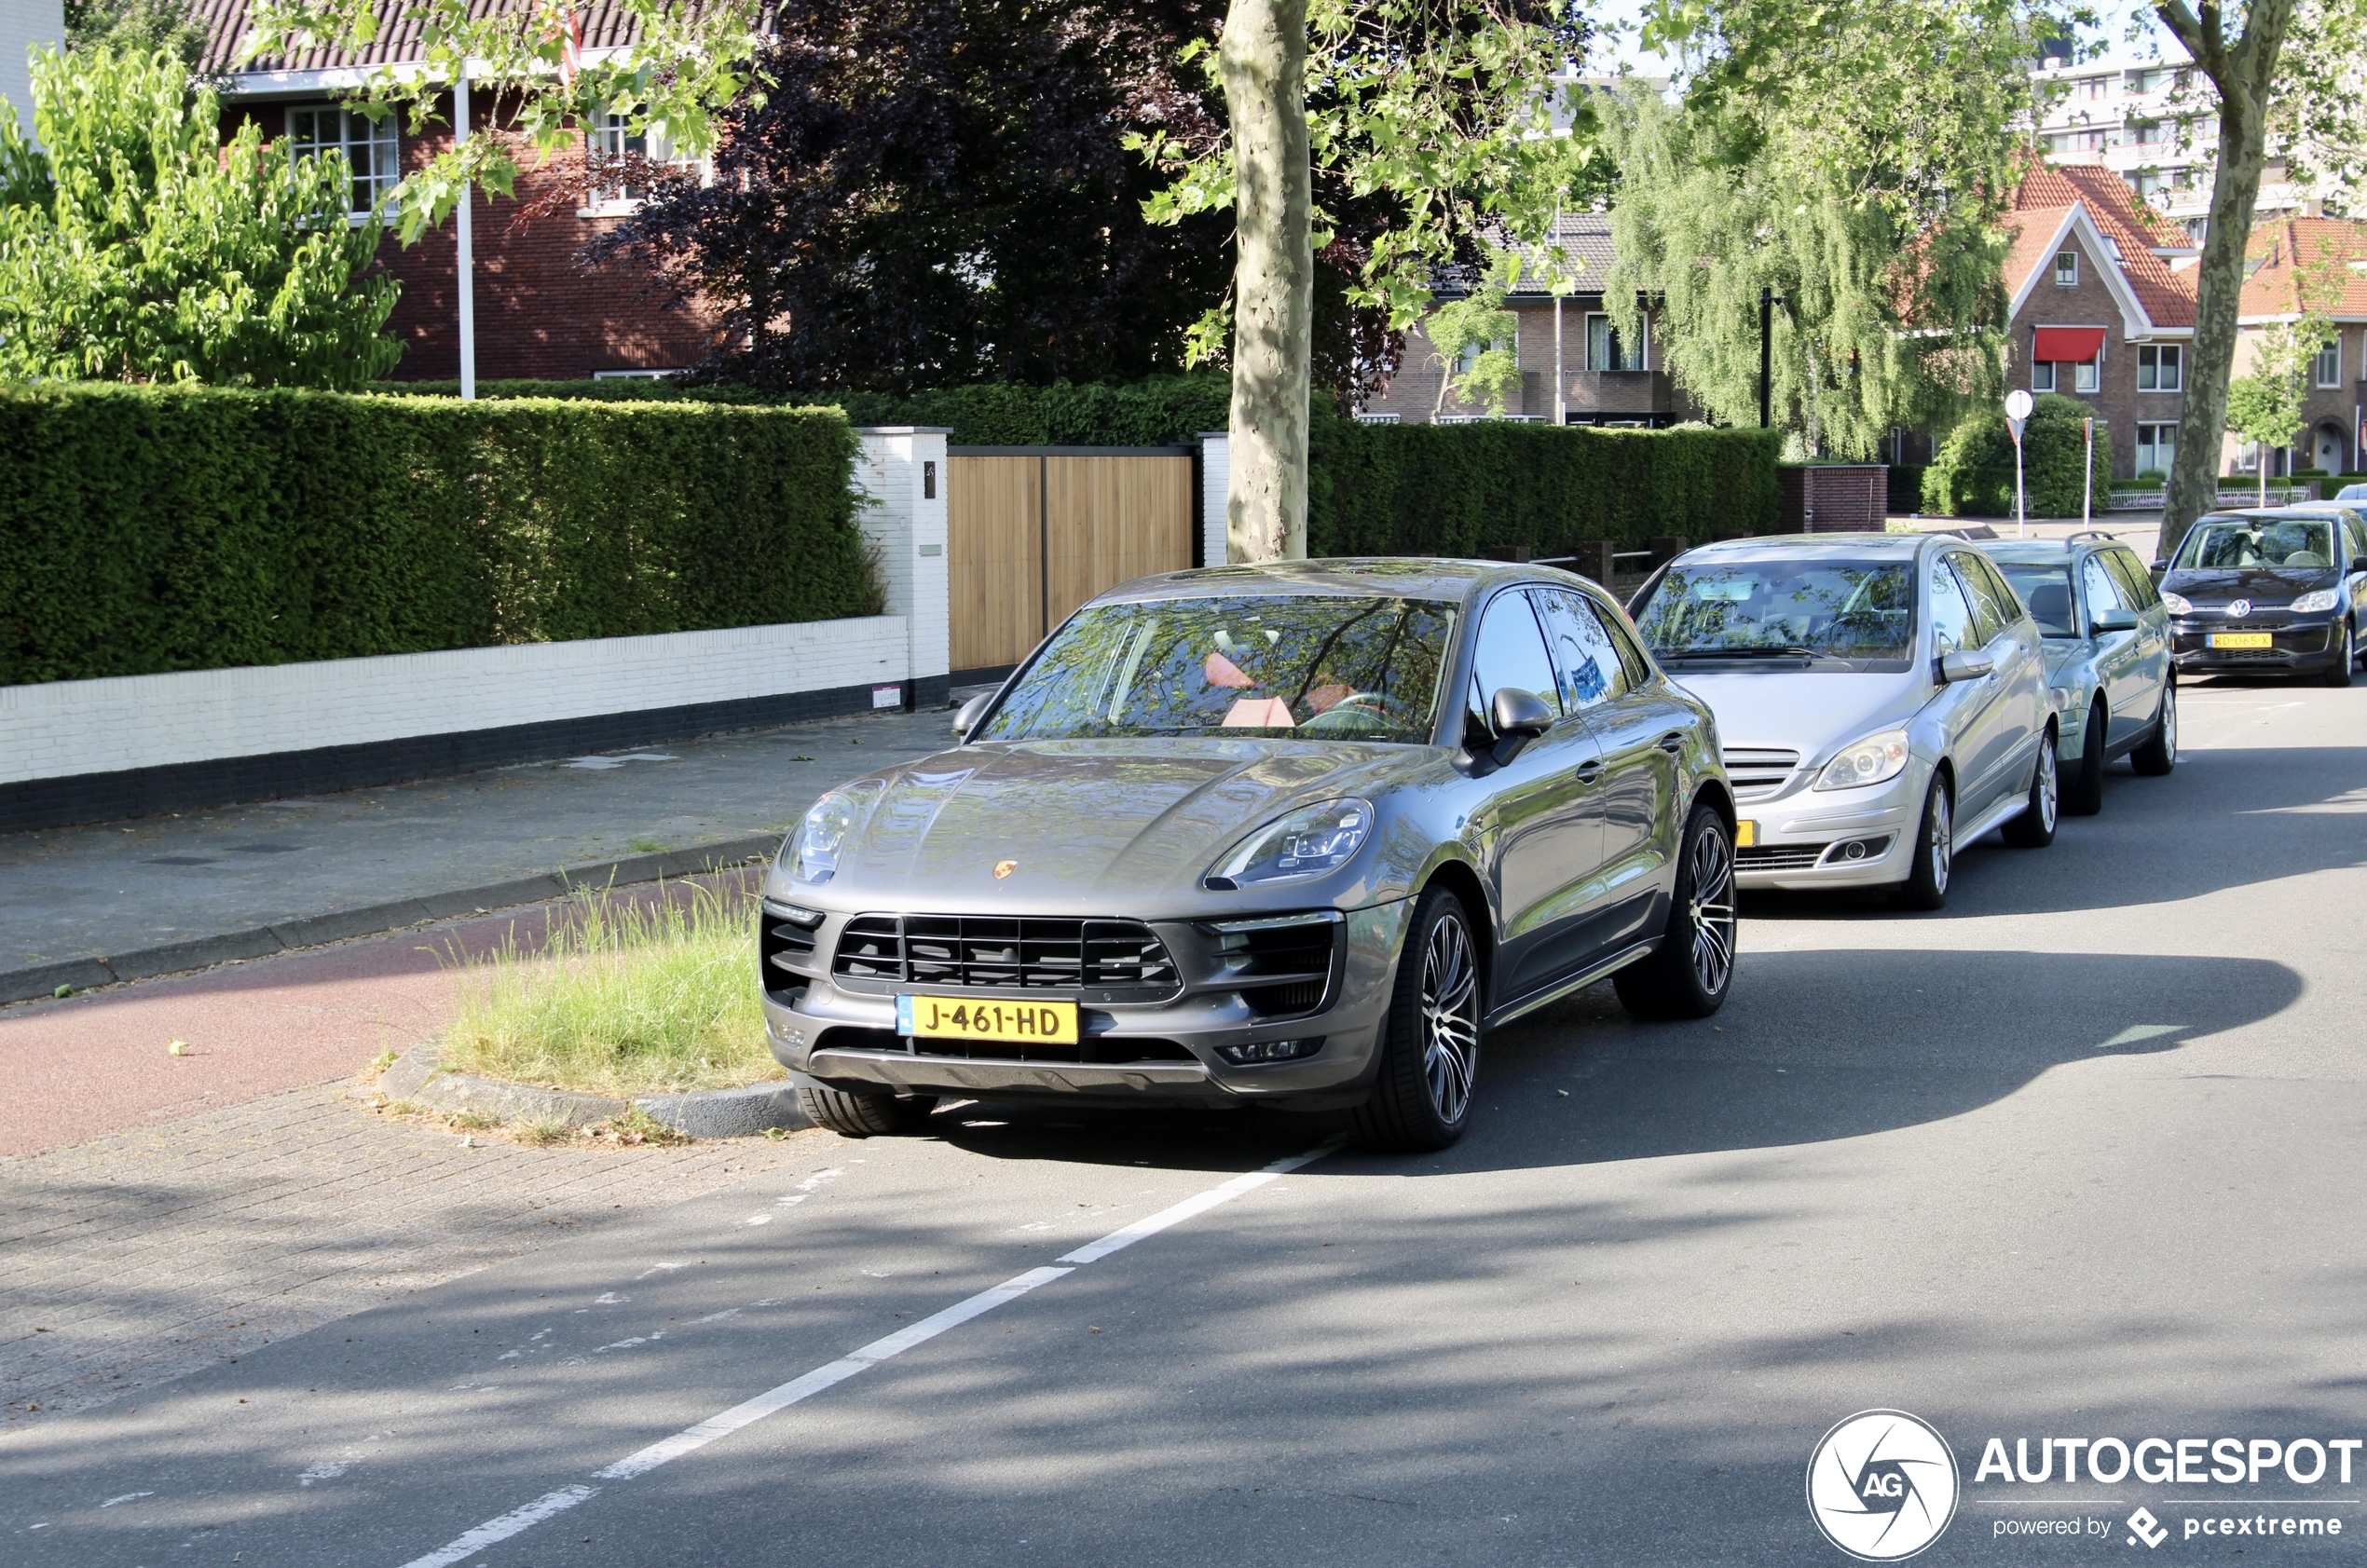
(146, 529)
(1906, 493)
(1973, 475)
(1155, 411)
(1459, 489)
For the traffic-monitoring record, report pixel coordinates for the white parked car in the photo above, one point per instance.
(1880, 700)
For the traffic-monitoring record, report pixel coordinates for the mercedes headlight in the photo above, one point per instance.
(814, 853)
(1306, 843)
(2318, 602)
(1870, 761)
(2176, 602)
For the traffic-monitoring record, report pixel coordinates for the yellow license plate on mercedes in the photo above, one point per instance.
(999, 1020)
(2242, 639)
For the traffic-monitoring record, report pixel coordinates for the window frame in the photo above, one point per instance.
(2088, 376)
(2326, 366)
(382, 136)
(2156, 446)
(2067, 278)
(2164, 364)
(2042, 376)
(1610, 328)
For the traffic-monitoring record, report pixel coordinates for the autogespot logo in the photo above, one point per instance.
(1883, 1485)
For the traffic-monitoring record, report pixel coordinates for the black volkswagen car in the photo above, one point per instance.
(2273, 591)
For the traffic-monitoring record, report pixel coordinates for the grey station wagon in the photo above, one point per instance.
(1294, 835)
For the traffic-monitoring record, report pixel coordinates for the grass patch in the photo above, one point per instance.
(626, 996)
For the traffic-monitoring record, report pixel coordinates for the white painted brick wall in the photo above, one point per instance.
(61, 729)
(1217, 471)
(25, 23)
(906, 526)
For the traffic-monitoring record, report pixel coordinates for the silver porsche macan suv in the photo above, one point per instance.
(1294, 835)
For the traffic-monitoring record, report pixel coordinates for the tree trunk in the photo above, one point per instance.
(2242, 76)
(1262, 56)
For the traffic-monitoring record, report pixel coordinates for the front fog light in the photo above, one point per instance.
(1266, 1051)
(1870, 761)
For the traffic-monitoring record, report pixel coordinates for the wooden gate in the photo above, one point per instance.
(1031, 532)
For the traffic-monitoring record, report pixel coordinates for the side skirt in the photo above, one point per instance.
(1578, 982)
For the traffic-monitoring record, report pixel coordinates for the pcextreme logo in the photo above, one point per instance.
(1883, 1485)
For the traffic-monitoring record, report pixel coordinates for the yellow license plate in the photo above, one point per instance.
(2240, 639)
(1745, 834)
(998, 1019)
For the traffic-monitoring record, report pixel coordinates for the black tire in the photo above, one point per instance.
(2339, 672)
(1690, 974)
(2083, 790)
(2034, 829)
(860, 1115)
(1934, 863)
(2160, 753)
(1429, 1044)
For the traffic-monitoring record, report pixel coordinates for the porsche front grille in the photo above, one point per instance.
(1122, 961)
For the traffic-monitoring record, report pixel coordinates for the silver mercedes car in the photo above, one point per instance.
(1294, 835)
(1882, 699)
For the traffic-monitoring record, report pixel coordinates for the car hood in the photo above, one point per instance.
(1815, 714)
(2275, 584)
(1088, 825)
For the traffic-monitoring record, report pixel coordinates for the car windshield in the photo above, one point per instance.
(1861, 611)
(2228, 542)
(2045, 591)
(1331, 666)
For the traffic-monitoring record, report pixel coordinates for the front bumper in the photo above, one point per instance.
(842, 1036)
(1803, 837)
(2295, 645)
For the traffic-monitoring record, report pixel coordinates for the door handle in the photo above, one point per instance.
(1589, 770)
(1672, 743)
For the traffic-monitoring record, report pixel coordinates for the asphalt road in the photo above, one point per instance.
(2078, 1158)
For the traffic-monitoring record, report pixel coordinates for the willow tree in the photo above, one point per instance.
(1853, 161)
(1438, 108)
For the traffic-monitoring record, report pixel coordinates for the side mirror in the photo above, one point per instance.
(971, 712)
(2113, 619)
(1519, 713)
(1962, 666)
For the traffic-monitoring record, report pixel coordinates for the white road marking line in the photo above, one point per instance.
(125, 1498)
(772, 1401)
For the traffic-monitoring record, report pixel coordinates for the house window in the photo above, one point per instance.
(2091, 89)
(2329, 364)
(614, 138)
(1472, 352)
(2067, 267)
(2086, 375)
(1604, 350)
(2042, 377)
(2156, 448)
(2160, 367)
(371, 150)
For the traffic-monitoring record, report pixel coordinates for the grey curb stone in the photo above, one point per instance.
(369, 920)
(741, 1112)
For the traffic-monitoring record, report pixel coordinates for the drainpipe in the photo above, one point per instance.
(466, 262)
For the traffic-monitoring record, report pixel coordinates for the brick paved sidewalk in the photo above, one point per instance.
(148, 1254)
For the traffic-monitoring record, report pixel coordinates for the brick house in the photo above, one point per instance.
(2097, 310)
(1604, 380)
(2327, 258)
(541, 311)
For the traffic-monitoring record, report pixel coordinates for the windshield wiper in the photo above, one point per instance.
(1791, 650)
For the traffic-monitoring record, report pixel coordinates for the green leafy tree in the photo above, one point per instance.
(1853, 161)
(2264, 407)
(1477, 327)
(135, 247)
(137, 27)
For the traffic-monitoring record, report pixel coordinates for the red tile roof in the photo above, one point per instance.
(605, 26)
(2046, 189)
(2320, 252)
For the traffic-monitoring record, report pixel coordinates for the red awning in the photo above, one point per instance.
(2058, 344)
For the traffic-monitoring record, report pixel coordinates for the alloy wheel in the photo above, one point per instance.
(2050, 786)
(1937, 827)
(1712, 909)
(2169, 722)
(1450, 1017)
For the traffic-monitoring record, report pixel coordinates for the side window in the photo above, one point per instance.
(1585, 655)
(2136, 582)
(1630, 652)
(1951, 616)
(1991, 599)
(2098, 587)
(1510, 651)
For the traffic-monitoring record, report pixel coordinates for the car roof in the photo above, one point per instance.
(2045, 551)
(1767, 547)
(1389, 576)
(2320, 514)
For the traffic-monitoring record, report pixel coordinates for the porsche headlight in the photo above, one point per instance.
(1870, 761)
(2176, 602)
(2318, 602)
(814, 853)
(1306, 843)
